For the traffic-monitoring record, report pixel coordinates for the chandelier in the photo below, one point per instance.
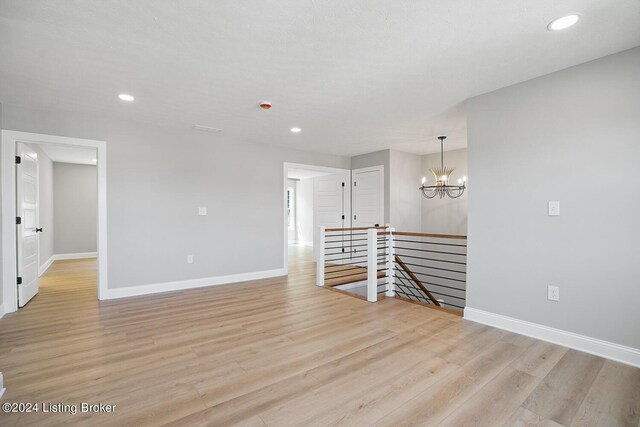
(442, 176)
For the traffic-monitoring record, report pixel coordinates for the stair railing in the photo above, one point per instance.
(421, 267)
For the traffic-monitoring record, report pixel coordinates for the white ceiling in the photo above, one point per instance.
(68, 154)
(355, 75)
(304, 173)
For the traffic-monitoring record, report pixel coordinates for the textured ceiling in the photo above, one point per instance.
(356, 76)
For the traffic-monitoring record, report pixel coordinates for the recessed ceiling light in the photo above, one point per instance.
(562, 23)
(295, 130)
(126, 97)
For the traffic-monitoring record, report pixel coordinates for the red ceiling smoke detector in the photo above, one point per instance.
(265, 105)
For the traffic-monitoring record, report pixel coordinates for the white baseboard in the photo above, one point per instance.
(2, 311)
(55, 257)
(44, 267)
(131, 291)
(609, 350)
(79, 255)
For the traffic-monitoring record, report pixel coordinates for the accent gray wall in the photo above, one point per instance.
(75, 195)
(572, 136)
(405, 198)
(376, 159)
(157, 178)
(448, 216)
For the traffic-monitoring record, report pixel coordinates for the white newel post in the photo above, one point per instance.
(320, 258)
(391, 262)
(372, 265)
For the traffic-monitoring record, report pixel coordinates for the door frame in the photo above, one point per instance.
(382, 183)
(9, 235)
(285, 184)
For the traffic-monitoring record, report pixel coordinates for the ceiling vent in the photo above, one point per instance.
(203, 128)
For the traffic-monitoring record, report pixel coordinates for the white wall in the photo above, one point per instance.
(447, 216)
(572, 136)
(293, 232)
(305, 211)
(405, 198)
(157, 178)
(46, 221)
(75, 196)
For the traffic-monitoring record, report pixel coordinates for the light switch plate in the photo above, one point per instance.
(202, 211)
(553, 293)
(554, 208)
(189, 259)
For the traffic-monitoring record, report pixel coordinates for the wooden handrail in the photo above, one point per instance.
(415, 279)
(441, 236)
(353, 228)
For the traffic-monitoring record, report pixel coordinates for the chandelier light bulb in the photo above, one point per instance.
(459, 181)
(464, 179)
(424, 179)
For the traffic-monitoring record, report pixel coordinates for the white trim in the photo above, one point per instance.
(2, 311)
(58, 257)
(606, 349)
(44, 267)
(285, 179)
(8, 148)
(131, 291)
(78, 255)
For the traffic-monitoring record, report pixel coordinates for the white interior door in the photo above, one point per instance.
(27, 236)
(368, 196)
(331, 206)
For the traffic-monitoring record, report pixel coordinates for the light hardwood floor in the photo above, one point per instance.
(283, 352)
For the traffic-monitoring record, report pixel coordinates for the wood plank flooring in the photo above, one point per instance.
(283, 352)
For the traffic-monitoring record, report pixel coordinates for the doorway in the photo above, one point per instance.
(27, 209)
(313, 196)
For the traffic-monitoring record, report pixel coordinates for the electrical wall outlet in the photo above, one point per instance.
(202, 211)
(553, 293)
(189, 259)
(553, 208)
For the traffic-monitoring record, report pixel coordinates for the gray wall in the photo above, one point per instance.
(45, 205)
(572, 136)
(448, 216)
(1, 254)
(404, 196)
(158, 177)
(376, 159)
(75, 195)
